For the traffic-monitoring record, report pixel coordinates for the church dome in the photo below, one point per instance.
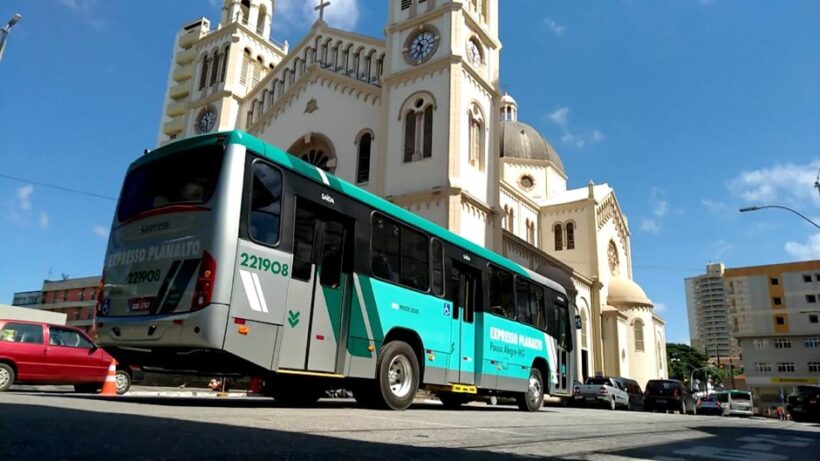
(626, 293)
(519, 140)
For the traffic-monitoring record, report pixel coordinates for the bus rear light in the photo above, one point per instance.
(238, 321)
(204, 282)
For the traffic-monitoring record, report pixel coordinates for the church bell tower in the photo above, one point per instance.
(442, 102)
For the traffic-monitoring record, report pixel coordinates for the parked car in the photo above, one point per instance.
(804, 405)
(41, 353)
(633, 389)
(709, 405)
(736, 403)
(604, 391)
(668, 395)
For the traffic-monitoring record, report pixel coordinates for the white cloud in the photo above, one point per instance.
(650, 225)
(341, 14)
(560, 117)
(43, 220)
(781, 184)
(24, 197)
(715, 206)
(85, 9)
(804, 251)
(660, 307)
(100, 231)
(554, 27)
(721, 247)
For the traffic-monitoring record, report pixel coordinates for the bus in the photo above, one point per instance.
(228, 256)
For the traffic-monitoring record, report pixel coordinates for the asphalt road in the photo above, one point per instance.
(56, 425)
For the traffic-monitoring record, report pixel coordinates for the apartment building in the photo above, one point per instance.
(774, 313)
(76, 298)
(708, 314)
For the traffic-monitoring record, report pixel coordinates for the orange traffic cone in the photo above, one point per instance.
(110, 384)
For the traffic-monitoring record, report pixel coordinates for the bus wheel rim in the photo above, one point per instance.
(4, 377)
(400, 376)
(535, 390)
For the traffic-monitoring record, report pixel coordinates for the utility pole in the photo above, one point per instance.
(6, 30)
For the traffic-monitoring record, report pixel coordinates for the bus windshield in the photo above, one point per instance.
(185, 178)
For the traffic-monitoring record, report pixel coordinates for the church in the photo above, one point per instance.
(417, 117)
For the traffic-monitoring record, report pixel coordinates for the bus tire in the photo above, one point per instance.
(534, 397)
(398, 375)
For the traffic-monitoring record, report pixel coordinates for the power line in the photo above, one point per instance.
(54, 186)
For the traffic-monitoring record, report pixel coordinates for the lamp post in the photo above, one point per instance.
(5, 30)
(755, 208)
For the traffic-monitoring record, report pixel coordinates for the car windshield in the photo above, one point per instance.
(661, 385)
(738, 395)
(597, 381)
(707, 399)
(185, 178)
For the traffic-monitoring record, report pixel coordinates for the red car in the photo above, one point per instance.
(40, 353)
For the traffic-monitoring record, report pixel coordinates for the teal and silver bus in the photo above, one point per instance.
(228, 256)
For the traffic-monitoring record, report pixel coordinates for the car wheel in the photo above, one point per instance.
(612, 404)
(398, 375)
(695, 410)
(493, 400)
(683, 407)
(123, 381)
(6, 376)
(628, 405)
(534, 397)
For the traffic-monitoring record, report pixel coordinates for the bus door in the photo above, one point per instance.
(465, 292)
(317, 307)
(564, 346)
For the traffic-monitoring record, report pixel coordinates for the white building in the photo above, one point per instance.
(417, 117)
(708, 313)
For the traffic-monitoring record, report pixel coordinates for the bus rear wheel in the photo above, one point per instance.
(398, 375)
(534, 397)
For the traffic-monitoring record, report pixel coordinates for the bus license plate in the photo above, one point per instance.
(139, 304)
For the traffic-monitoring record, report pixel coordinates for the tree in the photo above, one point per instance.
(682, 359)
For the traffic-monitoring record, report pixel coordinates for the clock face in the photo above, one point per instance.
(422, 46)
(207, 121)
(474, 53)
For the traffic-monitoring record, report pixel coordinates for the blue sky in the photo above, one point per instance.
(689, 109)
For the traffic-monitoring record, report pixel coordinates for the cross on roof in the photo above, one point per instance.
(321, 9)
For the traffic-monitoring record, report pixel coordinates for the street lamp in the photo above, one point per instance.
(755, 208)
(5, 30)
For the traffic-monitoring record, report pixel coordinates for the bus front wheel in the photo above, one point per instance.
(534, 397)
(398, 375)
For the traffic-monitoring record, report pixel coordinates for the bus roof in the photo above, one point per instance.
(297, 165)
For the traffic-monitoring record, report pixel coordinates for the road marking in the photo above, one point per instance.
(453, 426)
(764, 439)
(728, 454)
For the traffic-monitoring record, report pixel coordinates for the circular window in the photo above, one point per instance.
(526, 182)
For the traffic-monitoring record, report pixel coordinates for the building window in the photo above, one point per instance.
(570, 236)
(509, 218)
(763, 367)
(780, 320)
(418, 130)
(405, 4)
(777, 301)
(785, 367)
(807, 278)
(811, 298)
(246, 64)
(363, 166)
(476, 133)
(530, 232)
(782, 343)
(761, 344)
(817, 277)
(214, 68)
(774, 281)
(203, 77)
(812, 342)
(558, 230)
(812, 318)
(814, 367)
(638, 335)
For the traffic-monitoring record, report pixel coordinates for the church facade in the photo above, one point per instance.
(417, 117)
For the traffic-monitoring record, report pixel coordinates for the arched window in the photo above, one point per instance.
(317, 150)
(558, 230)
(476, 133)
(530, 232)
(418, 127)
(638, 326)
(509, 218)
(214, 68)
(260, 20)
(258, 68)
(246, 11)
(246, 63)
(363, 165)
(224, 64)
(203, 76)
(570, 236)
(584, 329)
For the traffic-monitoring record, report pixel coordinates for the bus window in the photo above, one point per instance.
(303, 234)
(415, 260)
(522, 301)
(266, 204)
(385, 244)
(185, 178)
(501, 293)
(438, 267)
(551, 313)
(537, 306)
